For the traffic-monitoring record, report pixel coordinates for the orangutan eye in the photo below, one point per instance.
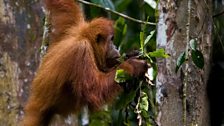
(99, 38)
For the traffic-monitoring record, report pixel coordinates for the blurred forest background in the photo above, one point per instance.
(21, 33)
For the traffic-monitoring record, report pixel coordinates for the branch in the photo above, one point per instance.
(219, 14)
(117, 13)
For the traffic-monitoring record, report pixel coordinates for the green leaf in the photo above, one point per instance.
(125, 29)
(144, 103)
(105, 3)
(120, 31)
(121, 76)
(117, 117)
(151, 3)
(125, 99)
(180, 60)
(122, 5)
(197, 58)
(159, 53)
(193, 44)
(149, 37)
(145, 114)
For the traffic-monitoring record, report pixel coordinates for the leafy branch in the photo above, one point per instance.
(140, 96)
(117, 13)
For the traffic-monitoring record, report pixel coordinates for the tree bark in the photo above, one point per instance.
(21, 30)
(20, 38)
(173, 36)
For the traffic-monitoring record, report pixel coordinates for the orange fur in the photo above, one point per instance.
(62, 15)
(74, 71)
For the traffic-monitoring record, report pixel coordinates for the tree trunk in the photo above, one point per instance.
(175, 29)
(20, 38)
(21, 32)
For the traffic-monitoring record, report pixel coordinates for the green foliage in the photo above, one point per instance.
(144, 104)
(139, 94)
(105, 3)
(125, 98)
(121, 76)
(149, 37)
(121, 30)
(180, 60)
(159, 53)
(196, 55)
(137, 102)
(101, 118)
(197, 58)
(122, 5)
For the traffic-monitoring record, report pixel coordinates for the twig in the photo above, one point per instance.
(117, 13)
(219, 14)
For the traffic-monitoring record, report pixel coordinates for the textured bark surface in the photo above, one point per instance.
(172, 36)
(20, 38)
(21, 29)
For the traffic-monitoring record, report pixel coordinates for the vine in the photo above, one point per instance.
(197, 58)
(187, 65)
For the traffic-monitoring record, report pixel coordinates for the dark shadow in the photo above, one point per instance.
(216, 94)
